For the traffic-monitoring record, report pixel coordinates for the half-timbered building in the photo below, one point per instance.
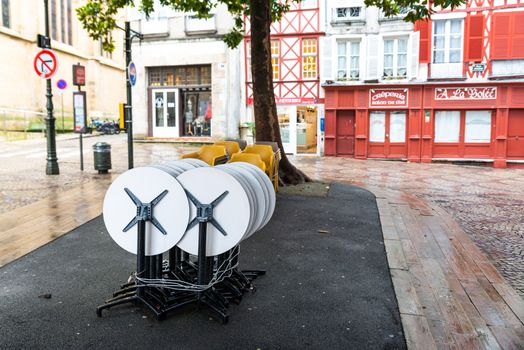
(296, 77)
(450, 89)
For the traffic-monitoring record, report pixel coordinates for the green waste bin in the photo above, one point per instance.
(102, 157)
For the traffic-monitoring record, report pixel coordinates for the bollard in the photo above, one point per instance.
(102, 157)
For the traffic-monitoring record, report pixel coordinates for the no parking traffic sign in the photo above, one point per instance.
(45, 64)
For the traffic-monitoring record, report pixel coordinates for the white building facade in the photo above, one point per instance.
(188, 80)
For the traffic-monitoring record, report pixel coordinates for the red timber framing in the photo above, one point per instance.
(291, 87)
(420, 104)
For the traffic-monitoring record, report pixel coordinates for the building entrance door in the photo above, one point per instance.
(516, 134)
(287, 119)
(387, 134)
(346, 133)
(165, 112)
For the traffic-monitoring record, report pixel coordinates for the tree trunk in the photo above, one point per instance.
(265, 108)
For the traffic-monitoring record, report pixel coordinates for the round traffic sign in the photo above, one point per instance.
(61, 84)
(131, 72)
(45, 64)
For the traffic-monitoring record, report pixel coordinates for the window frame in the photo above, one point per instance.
(5, 14)
(395, 67)
(447, 41)
(306, 55)
(348, 55)
(275, 58)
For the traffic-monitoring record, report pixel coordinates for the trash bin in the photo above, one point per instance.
(102, 157)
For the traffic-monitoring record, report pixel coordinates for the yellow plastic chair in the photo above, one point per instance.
(232, 147)
(266, 154)
(250, 158)
(278, 157)
(211, 154)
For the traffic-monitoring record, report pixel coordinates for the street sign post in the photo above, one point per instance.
(131, 69)
(45, 64)
(79, 75)
(80, 119)
(61, 84)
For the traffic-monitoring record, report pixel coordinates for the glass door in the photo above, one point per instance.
(287, 118)
(165, 112)
(387, 134)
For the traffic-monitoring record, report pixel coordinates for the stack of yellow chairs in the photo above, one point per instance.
(270, 159)
(232, 147)
(211, 154)
(248, 158)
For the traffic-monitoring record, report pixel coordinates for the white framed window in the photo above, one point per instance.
(348, 60)
(309, 58)
(395, 58)
(347, 13)
(447, 126)
(193, 24)
(478, 126)
(447, 41)
(377, 126)
(275, 58)
(397, 127)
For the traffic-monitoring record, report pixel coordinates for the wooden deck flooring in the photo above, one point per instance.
(449, 294)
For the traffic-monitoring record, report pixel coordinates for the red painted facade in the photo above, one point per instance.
(348, 103)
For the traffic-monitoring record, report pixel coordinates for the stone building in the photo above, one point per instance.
(23, 90)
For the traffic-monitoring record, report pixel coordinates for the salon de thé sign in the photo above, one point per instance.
(388, 97)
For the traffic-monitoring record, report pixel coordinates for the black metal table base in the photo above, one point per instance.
(161, 300)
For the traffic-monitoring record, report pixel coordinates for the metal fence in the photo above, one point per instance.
(19, 123)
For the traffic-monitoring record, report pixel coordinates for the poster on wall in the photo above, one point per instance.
(79, 111)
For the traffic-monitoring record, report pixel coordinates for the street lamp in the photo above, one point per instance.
(52, 161)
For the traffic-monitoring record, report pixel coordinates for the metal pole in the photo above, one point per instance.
(63, 125)
(129, 104)
(52, 161)
(81, 141)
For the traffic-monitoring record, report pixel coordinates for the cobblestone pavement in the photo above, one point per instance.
(23, 163)
(488, 203)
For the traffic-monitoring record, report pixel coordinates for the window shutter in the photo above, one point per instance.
(372, 59)
(414, 64)
(474, 38)
(327, 58)
(517, 35)
(424, 28)
(500, 43)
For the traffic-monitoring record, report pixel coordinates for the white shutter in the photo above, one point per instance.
(414, 64)
(372, 59)
(326, 58)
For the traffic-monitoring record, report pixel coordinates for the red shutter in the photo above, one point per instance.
(517, 35)
(424, 27)
(474, 38)
(500, 44)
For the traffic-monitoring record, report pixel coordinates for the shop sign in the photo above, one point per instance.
(478, 67)
(292, 100)
(388, 97)
(466, 93)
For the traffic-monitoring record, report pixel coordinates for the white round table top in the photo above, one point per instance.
(249, 192)
(184, 165)
(196, 162)
(232, 213)
(259, 190)
(171, 212)
(269, 187)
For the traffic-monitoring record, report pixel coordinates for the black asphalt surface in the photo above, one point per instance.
(322, 290)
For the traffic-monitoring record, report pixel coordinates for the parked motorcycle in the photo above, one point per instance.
(105, 127)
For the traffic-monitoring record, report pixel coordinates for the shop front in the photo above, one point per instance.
(423, 123)
(180, 101)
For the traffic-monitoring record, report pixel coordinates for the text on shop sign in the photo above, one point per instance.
(466, 93)
(388, 97)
